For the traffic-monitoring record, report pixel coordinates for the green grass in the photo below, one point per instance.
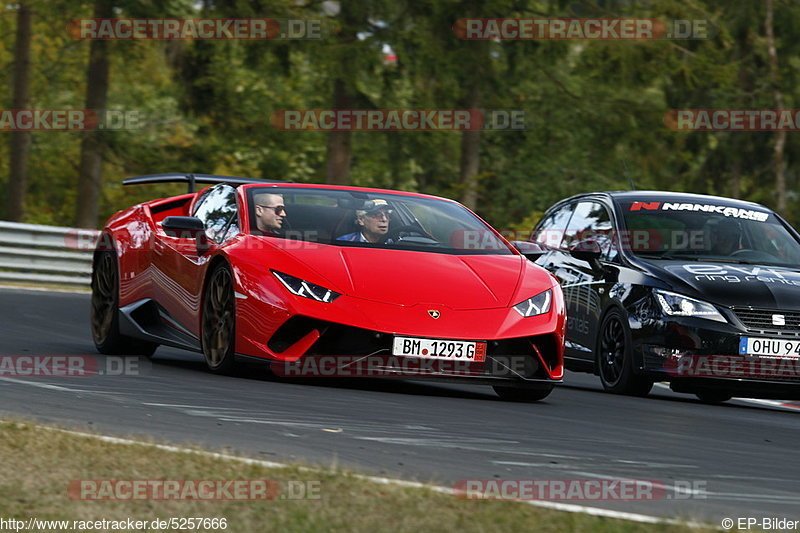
(38, 464)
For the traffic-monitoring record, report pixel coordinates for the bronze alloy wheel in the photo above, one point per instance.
(104, 313)
(104, 297)
(219, 320)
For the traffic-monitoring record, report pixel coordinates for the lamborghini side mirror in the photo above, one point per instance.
(187, 228)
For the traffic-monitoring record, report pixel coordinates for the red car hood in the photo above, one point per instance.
(409, 278)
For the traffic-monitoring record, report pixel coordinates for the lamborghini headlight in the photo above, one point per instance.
(677, 305)
(536, 305)
(305, 289)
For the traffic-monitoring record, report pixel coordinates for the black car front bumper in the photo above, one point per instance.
(698, 354)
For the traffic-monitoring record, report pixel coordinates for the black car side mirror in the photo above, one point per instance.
(587, 250)
(531, 250)
(187, 228)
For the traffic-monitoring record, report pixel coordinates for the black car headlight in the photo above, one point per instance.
(678, 305)
(301, 287)
(535, 305)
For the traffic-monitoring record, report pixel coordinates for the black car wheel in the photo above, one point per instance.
(615, 358)
(513, 394)
(219, 321)
(104, 314)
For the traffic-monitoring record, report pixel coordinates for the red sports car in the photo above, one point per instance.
(329, 281)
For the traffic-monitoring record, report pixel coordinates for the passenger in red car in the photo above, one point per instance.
(270, 212)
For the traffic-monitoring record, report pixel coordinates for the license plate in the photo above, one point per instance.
(439, 349)
(775, 347)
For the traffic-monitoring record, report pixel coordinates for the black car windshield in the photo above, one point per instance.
(706, 232)
(370, 219)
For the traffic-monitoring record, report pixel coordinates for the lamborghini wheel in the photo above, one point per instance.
(219, 321)
(105, 311)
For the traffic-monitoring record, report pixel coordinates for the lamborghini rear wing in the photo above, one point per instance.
(191, 179)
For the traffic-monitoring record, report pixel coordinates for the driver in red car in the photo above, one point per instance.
(373, 219)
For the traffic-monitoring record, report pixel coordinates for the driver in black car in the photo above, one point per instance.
(373, 219)
(725, 236)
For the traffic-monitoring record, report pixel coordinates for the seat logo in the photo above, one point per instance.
(778, 320)
(434, 313)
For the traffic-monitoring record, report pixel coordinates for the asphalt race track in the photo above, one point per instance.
(744, 453)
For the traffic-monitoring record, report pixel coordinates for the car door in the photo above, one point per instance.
(181, 265)
(583, 283)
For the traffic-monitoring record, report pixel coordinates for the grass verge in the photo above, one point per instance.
(37, 466)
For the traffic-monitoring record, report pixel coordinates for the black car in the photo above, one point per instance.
(700, 291)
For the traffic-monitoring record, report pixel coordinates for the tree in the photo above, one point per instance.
(20, 141)
(90, 172)
(778, 162)
(346, 59)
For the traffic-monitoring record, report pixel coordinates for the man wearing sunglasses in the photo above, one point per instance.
(270, 212)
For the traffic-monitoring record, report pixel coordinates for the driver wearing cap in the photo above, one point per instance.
(373, 219)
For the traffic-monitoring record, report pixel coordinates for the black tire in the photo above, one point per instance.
(615, 358)
(513, 394)
(713, 396)
(218, 335)
(104, 313)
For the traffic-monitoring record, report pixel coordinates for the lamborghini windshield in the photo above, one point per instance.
(368, 219)
(701, 232)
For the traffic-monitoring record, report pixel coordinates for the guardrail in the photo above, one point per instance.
(48, 255)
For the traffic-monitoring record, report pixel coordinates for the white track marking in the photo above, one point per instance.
(437, 442)
(654, 465)
(780, 404)
(194, 406)
(554, 466)
(735, 496)
(44, 385)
